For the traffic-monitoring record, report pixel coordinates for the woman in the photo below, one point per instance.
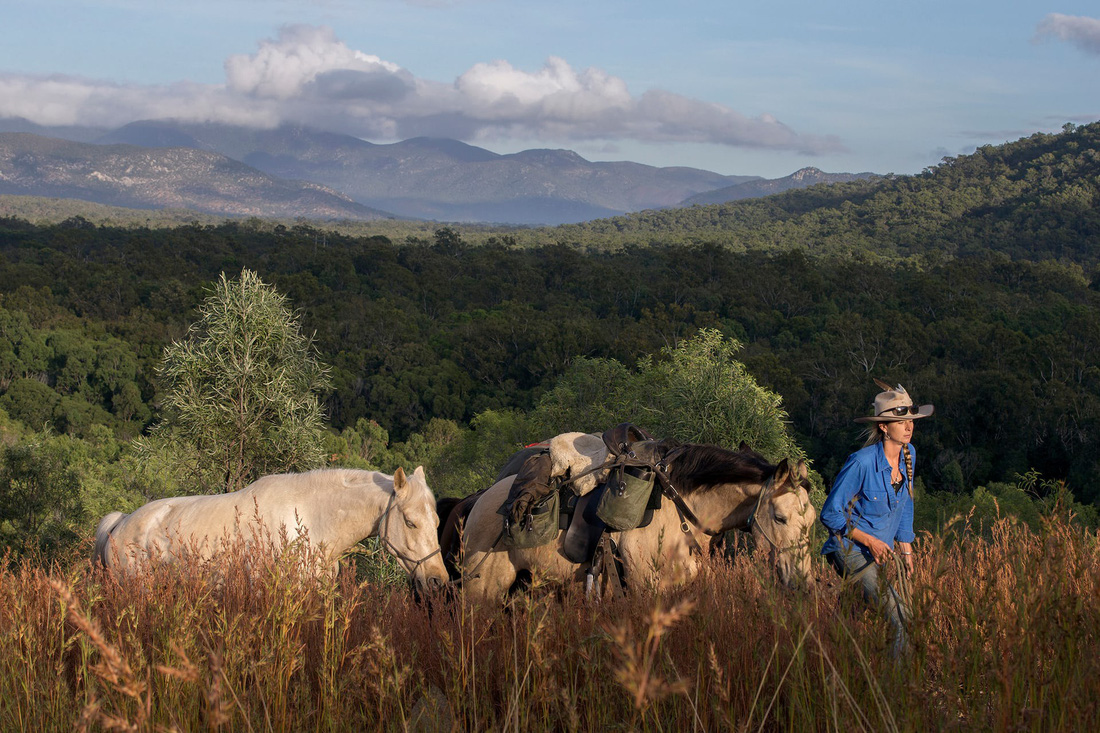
(869, 510)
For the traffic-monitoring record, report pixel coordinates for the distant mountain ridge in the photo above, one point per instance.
(802, 178)
(159, 178)
(427, 178)
(438, 178)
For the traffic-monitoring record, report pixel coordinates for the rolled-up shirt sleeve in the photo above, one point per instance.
(834, 513)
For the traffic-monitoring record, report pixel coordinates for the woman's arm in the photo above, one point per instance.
(834, 512)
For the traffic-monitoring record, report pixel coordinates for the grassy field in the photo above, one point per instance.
(1005, 637)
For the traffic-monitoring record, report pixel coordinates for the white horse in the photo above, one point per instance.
(333, 508)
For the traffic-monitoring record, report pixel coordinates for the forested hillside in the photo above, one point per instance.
(1035, 198)
(974, 285)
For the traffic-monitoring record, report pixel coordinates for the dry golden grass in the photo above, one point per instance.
(1004, 637)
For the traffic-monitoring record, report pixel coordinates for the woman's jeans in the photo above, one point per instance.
(856, 569)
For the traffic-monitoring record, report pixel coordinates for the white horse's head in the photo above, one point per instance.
(782, 523)
(409, 529)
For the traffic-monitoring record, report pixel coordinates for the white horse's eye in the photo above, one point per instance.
(409, 524)
(780, 519)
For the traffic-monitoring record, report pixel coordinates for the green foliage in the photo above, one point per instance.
(241, 390)
(1031, 500)
(975, 284)
(31, 402)
(697, 392)
(68, 378)
(40, 496)
(471, 459)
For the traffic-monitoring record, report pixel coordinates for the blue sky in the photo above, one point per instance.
(760, 89)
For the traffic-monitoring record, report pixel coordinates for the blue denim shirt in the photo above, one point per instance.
(862, 497)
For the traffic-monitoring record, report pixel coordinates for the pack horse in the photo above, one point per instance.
(689, 493)
(333, 508)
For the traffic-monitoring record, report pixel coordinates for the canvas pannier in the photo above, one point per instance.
(538, 527)
(626, 498)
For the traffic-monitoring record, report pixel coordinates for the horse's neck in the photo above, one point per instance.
(725, 507)
(356, 514)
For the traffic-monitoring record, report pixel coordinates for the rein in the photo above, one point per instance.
(385, 540)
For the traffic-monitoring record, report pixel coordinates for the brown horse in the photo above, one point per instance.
(722, 489)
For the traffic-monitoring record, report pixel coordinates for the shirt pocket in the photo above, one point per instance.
(874, 502)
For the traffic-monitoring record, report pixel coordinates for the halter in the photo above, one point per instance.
(752, 520)
(393, 548)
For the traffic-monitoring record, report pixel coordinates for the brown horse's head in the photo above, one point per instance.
(782, 522)
(771, 500)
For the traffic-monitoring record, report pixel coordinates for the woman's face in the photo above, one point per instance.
(899, 431)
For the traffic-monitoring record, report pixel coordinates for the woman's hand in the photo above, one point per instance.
(906, 551)
(880, 551)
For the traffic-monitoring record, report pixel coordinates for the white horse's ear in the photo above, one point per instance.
(803, 470)
(400, 483)
(419, 472)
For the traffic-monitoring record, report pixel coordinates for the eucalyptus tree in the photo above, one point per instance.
(241, 391)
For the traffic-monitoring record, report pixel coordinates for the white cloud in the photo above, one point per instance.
(301, 54)
(1079, 30)
(306, 75)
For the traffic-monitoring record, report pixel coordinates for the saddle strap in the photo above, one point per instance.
(693, 544)
(604, 562)
(681, 506)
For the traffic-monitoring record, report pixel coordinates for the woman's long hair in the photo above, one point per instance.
(875, 434)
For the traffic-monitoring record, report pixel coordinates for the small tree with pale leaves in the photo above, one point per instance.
(696, 392)
(241, 391)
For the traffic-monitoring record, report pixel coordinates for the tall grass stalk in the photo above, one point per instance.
(1005, 635)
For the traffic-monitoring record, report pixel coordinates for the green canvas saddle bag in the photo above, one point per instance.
(630, 491)
(538, 527)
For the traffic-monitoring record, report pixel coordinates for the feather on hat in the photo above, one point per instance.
(894, 403)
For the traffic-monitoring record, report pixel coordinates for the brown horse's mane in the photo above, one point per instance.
(697, 467)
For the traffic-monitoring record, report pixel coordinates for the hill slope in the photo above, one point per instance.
(1036, 198)
(157, 178)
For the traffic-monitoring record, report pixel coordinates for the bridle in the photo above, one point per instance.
(688, 516)
(752, 523)
(385, 541)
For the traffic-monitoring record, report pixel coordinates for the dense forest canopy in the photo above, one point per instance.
(974, 284)
(1034, 199)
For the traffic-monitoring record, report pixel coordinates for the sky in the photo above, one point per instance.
(737, 88)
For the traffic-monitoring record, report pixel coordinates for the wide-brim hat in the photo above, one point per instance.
(894, 403)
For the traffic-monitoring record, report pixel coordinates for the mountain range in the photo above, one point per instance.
(166, 178)
(802, 178)
(296, 171)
